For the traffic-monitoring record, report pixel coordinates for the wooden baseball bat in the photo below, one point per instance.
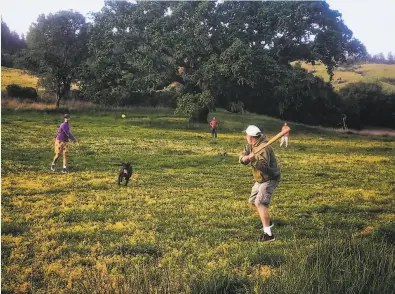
(272, 140)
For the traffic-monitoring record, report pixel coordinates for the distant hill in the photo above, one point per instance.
(370, 72)
(18, 77)
(21, 78)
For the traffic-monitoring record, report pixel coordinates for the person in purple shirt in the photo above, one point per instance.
(61, 143)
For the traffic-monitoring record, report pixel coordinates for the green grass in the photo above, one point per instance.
(183, 225)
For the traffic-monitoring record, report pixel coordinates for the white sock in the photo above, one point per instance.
(267, 230)
(64, 166)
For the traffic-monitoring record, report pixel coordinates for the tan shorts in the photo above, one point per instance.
(61, 147)
(262, 193)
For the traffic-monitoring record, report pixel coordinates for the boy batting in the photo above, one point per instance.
(266, 173)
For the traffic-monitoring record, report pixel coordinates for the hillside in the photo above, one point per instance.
(18, 77)
(183, 225)
(382, 73)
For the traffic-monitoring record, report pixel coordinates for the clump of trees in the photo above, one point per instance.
(11, 44)
(234, 55)
(366, 104)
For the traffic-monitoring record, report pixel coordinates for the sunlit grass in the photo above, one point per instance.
(16, 76)
(20, 77)
(183, 225)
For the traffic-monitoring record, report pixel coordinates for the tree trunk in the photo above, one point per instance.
(58, 98)
(200, 116)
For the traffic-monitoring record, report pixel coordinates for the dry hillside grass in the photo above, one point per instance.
(382, 73)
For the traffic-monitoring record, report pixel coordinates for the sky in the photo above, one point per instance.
(372, 21)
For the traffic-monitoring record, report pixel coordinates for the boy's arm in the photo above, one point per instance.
(246, 152)
(66, 130)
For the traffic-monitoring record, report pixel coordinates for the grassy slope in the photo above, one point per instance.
(184, 224)
(363, 72)
(19, 77)
(16, 76)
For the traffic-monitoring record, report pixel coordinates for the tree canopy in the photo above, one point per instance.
(236, 51)
(11, 44)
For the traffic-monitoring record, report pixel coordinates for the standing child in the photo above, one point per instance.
(285, 137)
(61, 143)
(214, 127)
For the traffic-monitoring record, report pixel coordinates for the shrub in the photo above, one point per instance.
(366, 104)
(76, 95)
(236, 107)
(305, 98)
(7, 60)
(154, 99)
(197, 106)
(16, 91)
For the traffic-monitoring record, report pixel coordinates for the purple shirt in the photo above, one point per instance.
(64, 133)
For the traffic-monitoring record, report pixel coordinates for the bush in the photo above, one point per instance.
(7, 60)
(154, 99)
(303, 97)
(236, 107)
(197, 106)
(76, 95)
(366, 104)
(16, 91)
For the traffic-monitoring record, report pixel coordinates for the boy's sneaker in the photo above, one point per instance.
(259, 225)
(65, 170)
(266, 238)
(52, 167)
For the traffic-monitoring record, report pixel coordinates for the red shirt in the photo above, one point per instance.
(213, 124)
(283, 128)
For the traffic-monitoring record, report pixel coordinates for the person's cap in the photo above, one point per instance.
(66, 115)
(253, 131)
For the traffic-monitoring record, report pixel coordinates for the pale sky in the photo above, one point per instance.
(372, 21)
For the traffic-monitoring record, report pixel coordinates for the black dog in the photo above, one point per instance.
(125, 172)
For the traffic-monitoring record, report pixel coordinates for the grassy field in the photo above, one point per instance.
(183, 225)
(382, 73)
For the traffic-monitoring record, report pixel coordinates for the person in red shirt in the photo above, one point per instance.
(214, 127)
(285, 137)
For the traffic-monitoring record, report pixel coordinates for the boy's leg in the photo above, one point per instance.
(262, 201)
(65, 150)
(64, 159)
(55, 158)
(57, 153)
(286, 141)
